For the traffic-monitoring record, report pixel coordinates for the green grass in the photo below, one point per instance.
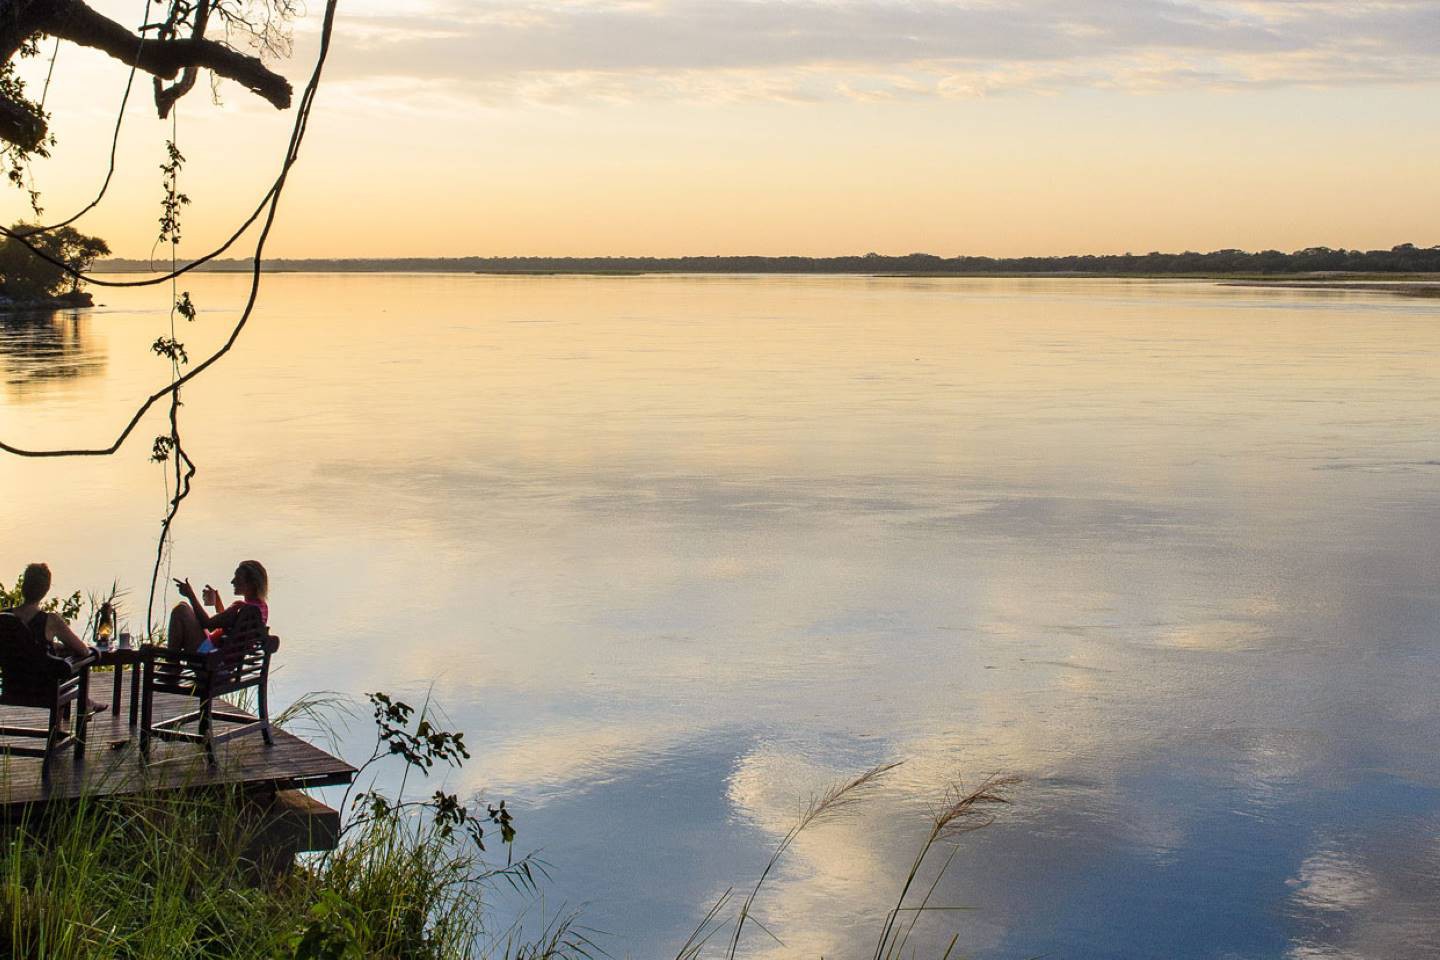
(176, 875)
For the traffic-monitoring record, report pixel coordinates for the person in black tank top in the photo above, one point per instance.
(49, 629)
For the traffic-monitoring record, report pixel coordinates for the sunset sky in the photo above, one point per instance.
(670, 127)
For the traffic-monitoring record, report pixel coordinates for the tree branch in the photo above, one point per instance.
(74, 21)
(167, 97)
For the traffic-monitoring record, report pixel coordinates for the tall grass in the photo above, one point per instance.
(833, 802)
(182, 874)
(171, 876)
(961, 812)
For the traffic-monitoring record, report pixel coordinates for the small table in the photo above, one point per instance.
(120, 658)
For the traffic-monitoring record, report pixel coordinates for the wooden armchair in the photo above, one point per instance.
(242, 662)
(33, 675)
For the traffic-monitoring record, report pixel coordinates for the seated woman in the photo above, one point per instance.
(49, 629)
(193, 629)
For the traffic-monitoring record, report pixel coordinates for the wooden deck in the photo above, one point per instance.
(112, 764)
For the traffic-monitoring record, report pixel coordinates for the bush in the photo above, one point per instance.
(29, 277)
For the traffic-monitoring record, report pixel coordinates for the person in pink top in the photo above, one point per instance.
(194, 629)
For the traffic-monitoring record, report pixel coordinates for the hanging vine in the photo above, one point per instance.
(168, 448)
(174, 199)
(184, 21)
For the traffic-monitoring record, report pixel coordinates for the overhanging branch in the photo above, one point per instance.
(76, 22)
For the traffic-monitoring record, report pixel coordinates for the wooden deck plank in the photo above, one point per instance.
(112, 764)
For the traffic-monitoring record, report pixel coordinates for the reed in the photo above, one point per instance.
(961, 812)
(157, 876)
(835, 801)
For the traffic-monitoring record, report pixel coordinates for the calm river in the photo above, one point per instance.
(679, 552)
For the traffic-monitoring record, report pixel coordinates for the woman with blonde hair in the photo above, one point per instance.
(194, 629)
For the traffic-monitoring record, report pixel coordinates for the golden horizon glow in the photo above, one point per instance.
(676, 128)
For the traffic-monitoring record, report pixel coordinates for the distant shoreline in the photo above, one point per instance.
(1420, 284)
(1402, 262)
(1424, 285)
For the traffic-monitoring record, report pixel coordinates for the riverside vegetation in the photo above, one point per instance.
(164, 875)
(175, 875)
(28, 281)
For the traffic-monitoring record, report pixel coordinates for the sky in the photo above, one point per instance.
(813, 127)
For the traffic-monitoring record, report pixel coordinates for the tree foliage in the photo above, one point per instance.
(26, 276)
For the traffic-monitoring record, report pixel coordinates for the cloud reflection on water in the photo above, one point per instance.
(746, 547)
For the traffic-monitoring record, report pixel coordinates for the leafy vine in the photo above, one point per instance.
(16, 156)
(173, 200)
(268, 36)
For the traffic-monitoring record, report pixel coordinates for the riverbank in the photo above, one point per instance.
(1422, 286)
(210, 869)
(75, 299)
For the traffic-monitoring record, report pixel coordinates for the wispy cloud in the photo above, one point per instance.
(868, 49)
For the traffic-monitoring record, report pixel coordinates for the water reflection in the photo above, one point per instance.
(692, 549)
(40, 347)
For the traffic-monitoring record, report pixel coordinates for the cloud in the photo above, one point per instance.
(1371, 898)
(1329, 881)
(884, 49)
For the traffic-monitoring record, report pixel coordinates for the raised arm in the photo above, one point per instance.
(202, 617)
(61, 631)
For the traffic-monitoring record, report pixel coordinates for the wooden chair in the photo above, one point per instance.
(242, 662)
(33, 675)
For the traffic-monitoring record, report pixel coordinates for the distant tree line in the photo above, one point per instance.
(1405, 258)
